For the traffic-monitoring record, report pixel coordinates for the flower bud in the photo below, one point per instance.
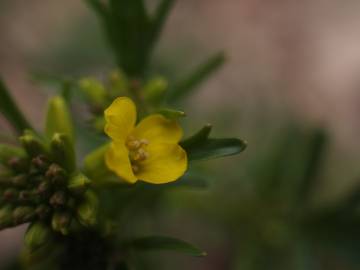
(32, 144)
(88, 209)
(6, 219)
(43, 211)
(58, 199)
(18, 164)
(78, 183)
(155, 90)
(19, 180)
(56, 175)
(58, 119)
(23, 214)
(63, 152)
(119, 84)
(60, 222)
(40, 162)
(10, 194)
(94, 91)
(26, 196)
(44, 188)
(37, 235)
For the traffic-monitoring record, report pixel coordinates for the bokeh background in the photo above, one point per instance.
(292, 73)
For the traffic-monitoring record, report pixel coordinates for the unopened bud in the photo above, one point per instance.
(62, 149)
(6, 219)
(10, 194)
(37, 235)
(78, 183)
(19, 180)
(60, 222)
(56, 175)
(23, 214)
(25, 196)
(32, 144)
(18, 164)
(119, 84)
(43, 188)
(88, 209)
(58, 199)
(58, 119)
(94, 91)
(40, 162)
(155, 90)
(43, 211)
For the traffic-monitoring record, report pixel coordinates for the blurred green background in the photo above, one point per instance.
(289, 87)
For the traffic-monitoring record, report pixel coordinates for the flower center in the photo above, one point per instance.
(137, 152)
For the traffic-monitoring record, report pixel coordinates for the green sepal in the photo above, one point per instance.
(164, 243)
(58, 119)
(172, 114)
(94, 165)
(78, 183)
(37, 235)
(94, 91)
(63, 151)
(6, 216)
(33, 144)
(201, 147)
(88, 209)
(8, 151)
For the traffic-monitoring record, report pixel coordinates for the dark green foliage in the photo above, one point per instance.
(11, 111)
(201, 147)
(131, 32)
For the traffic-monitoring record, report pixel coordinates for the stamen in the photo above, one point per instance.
(144, 142)
(133, 145)
(135, 168)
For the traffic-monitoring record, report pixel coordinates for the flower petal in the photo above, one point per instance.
(166, 163)
(120, 118)
(117, 160)
(158, 129)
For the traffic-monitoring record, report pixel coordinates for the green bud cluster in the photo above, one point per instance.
(39, 185)
(100, 95)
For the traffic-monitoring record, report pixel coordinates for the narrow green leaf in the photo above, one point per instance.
(198, 137)
(195, 78)
(214, 148)
(127, 29)
(317, 145)
(11, 111)
(172, 114)
(158, 21)
(165, 243)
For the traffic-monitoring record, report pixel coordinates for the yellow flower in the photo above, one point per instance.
(149, 151)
